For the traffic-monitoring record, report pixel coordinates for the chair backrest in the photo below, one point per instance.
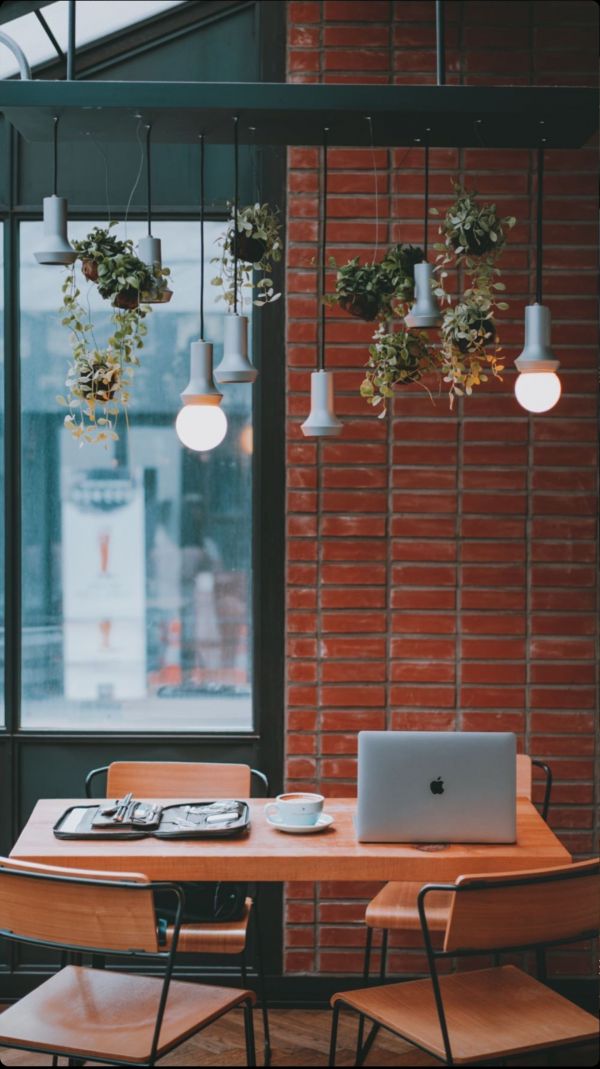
(177, 779)
(524, 908)
(77, 908)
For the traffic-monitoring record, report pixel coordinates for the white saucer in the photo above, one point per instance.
(324, 821)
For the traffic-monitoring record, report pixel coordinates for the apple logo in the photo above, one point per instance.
(437, 786)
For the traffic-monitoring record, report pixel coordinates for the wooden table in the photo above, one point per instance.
(269, 855)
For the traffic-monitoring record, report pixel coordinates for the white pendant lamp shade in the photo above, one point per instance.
(201, 389)
(425, 311)
(55, 248)
(538, 387)
(235, 365)
(201, 427)
(322, 421)
(149, 250)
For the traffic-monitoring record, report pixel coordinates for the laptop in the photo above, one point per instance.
(436, 786)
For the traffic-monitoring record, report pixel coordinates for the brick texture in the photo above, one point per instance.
(441, 567)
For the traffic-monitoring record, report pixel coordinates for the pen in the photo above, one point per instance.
(121, 811)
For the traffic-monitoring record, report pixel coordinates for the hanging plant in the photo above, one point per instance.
(99, 377)
(470, 229)
(474, 236)
(372, 291)
(259, 246)
(396, 358)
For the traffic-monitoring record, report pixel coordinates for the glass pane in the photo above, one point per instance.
(136, 557)
(2, 471)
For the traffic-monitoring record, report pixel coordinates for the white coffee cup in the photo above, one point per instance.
(298, 809)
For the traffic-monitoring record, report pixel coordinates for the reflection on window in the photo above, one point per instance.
(136, 558)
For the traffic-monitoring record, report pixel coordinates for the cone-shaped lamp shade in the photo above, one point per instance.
(55, 248)
(201, 427)
(235, 365)
(425, 311)
(538, 387)
(201, 389)
(322, 421)
(149, 250)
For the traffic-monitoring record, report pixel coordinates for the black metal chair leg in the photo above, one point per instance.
(367, 965)
(249, 1031)
(243, 969)
(262, 988)
(359, 1037)
(334, 1030)
(384, 949)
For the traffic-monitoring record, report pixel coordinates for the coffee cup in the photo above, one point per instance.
(298, 809)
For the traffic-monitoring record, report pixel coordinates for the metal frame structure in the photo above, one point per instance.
(433, 955)
(168, 957)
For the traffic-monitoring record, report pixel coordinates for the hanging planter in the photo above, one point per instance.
(470, 229)
(98, 378)
(396, 358)
(259, 246)
(373, 291)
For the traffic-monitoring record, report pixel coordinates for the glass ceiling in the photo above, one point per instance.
(94, 20)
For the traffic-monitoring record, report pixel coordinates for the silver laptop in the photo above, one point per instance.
(436, 786)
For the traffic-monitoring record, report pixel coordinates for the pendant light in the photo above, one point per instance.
(201, 425)
(56, 248)
(149, 248)
(322, 421)
(425, 311)
(537, 388)
(235, 365)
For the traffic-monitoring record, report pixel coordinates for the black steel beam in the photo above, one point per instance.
(284, 114)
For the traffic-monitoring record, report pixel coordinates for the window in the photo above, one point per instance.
(137, 583)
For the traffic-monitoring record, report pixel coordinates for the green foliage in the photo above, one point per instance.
(259, 236)
(99, 377)
(474, 238)
(375, 290)
(395, 359)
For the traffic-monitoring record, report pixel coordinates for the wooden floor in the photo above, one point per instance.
(301, 1037)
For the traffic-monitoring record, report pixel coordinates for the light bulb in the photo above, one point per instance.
(201, 427)
(537, 391)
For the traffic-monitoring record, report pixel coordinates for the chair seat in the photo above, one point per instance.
(490, 1013)
(92, 1012)
(395, 907)
(213, 938)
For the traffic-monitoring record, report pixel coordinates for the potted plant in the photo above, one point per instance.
(120, 275)
(369, 291)
(259, 246)
(396, 358)
(470, 229)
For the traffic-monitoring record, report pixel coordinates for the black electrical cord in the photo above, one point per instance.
(55, 160)
(323, 250)
(425, 239)
(540, 204)
(149, 179)
(440, 46)
(202, 237)
(235, 214)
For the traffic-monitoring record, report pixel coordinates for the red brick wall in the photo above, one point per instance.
(441, 567)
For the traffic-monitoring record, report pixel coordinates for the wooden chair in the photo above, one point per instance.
(187, 779)
(394, 908)
(475, 1016)
(83, 1013)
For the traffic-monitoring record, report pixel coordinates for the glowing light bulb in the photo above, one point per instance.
(201, 427)
(537, 391)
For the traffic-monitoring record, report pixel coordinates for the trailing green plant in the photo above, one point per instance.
(259, 246)
(474, 238)
(396, 358)
(471, 229)
(375, 290)
(99, 376)
(120, 275)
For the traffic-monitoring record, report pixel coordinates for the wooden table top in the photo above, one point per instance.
(265, 854)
